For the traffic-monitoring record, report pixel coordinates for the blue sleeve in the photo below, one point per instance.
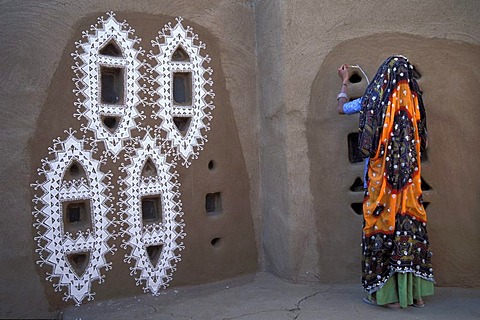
(353, 106)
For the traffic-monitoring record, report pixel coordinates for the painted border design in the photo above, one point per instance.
(170, 38)
(87, 69)
(53, 241)
(168, 232)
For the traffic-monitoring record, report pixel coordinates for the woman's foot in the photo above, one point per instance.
(418, 303)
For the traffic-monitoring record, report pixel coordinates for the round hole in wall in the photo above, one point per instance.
(212, 165)
(215, 242)
(355, 78)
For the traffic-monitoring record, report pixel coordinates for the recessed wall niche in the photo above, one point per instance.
(112, 85)
(76, 216)
(182, 88)
(151, 209)
(213, 203)
(354, 154)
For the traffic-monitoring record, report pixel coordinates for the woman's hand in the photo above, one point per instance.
(343, 73)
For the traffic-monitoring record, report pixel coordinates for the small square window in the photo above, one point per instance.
(111, 85)
(213, 203)
(182, 88)
(151, 210)
(354, 154)
(76, 216)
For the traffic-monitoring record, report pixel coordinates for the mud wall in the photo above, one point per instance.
(306, 172)
(217, 192)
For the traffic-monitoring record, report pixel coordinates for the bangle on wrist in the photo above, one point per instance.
(342, 95)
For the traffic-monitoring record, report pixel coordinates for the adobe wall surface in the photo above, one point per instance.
(38, 106)
(279, 146)
(306, 174)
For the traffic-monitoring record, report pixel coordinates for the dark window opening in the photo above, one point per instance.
(416, 73)
(79, 262)
(149, 169)
(111, 49)
(213, 203)
(215, 242)
(355, 78)
(110, 122)
(76, 216)
(357, 185)
(180, 55)
(151, 210)
(423, 156)
(357, 207)
(354, 154)
(111, 85)
(182, 88)
(154, 253)
(425, 185)
(74, 171)
(182, 124)
(212, 165)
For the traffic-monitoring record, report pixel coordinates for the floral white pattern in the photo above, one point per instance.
(54, 242)
(165, 232)
(196, 112)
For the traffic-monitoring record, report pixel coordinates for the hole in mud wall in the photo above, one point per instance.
(74, 172)
(357, 185)
(354, 154)
(213, 203)
(357, 207)
(76, 216)
(416, 73)
(355, 78)
(79, 262)
(425, 205)
(182, 88)
(110, 122)
(182, 124)
(424, 156)
(154, 252)
(425, 185)
(149, 169)
(111, 85)
(212, 165)
(111, 49)
(215, 242)
(151, 210)
(180, 55)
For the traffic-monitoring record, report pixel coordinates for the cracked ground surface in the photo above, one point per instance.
(265, 297)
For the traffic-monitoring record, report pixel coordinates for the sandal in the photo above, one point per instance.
(418, 303)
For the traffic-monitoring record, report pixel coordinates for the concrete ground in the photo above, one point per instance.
(264, 297)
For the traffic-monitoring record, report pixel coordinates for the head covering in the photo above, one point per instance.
(394, 69)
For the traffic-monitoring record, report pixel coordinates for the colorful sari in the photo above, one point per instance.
(392, 134)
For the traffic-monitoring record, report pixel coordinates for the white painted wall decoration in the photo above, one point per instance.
(152, 211)
(74, 194)
(108, 72)
(184, 102)
(73, 204)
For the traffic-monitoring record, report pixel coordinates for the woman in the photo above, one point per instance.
(396, 261)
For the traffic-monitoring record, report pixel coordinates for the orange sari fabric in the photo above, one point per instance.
(381, 194)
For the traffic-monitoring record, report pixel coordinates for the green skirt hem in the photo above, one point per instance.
(403, 288)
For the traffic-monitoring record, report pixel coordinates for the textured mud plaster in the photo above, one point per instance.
(38, 105)
(451, 99)
(293, 39)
